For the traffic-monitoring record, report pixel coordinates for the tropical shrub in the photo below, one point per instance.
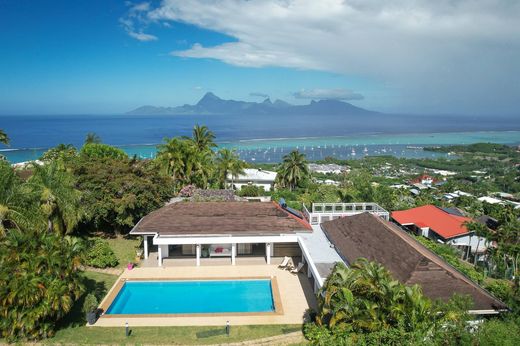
(187, 191)
(39, 282)
(100, 254)
(90, 304)
(251, 191)
(100, 150)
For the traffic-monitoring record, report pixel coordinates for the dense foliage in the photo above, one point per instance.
(100, 255)
(39, 281)
(363, 304)
(251, 191)
(95, 150)
(118, 192)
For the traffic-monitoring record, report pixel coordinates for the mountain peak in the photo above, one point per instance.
(209, 97)
(267, 101)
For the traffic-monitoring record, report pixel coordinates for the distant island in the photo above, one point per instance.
(210, 104)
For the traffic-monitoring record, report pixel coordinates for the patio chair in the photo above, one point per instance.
(285, 262)
(298, 268)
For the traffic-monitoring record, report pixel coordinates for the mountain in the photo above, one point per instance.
(211, 104)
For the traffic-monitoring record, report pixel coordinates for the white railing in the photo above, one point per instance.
(321, 212)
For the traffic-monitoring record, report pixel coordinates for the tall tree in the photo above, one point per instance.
(182, 160)
(4, 139)
(92, 138)
(228, 164)
(293, 170)
(14, 201)
(203, 138)
(58, 197)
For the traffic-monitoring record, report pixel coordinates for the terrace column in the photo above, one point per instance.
(233, 253)
(145, 247)
(268, 252)
(198, 254)
(159, 256)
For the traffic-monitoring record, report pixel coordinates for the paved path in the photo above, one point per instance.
(111, 271)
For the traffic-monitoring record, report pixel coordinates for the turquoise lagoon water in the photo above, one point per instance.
(193, 297)
(316, 148)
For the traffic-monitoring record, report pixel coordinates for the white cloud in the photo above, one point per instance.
(328, 94)
(430, 53)
(136, 17)
(141, 36)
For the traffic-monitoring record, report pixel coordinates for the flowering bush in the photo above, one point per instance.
(187, 191)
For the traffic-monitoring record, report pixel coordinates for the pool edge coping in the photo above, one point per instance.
(111, 296)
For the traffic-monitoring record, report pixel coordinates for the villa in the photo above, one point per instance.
(211, 230)
(210, 263)
(253, 176)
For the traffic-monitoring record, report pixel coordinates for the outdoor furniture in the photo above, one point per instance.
(285, 262)
(298, 268)
(220, 250)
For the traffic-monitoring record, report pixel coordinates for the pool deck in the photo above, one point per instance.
(295, 296)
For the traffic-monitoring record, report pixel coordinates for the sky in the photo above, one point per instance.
(398, 56)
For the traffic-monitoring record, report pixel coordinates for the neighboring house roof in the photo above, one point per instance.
(253, 174)
(490, 200)
(444, 224)
(454, 211)
(220, 218)
(488, 221)
(368, 236)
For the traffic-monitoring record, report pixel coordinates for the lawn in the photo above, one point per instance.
(124, 248)
(168, 335)
(72, 329)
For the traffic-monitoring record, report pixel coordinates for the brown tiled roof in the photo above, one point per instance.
(216, 218)
(368, 236)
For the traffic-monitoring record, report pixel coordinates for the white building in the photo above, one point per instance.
(331, 168)
(253, 176)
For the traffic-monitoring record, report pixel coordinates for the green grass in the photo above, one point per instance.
(167, 335)
(124, 248)
(72, 330)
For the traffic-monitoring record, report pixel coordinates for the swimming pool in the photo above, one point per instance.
(193, 297)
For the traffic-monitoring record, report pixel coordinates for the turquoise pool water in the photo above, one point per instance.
(193, 297)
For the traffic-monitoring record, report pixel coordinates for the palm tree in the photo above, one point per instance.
(182, 160)
(92, 138)
(59, 199)
(293, 170)
(4, 139)
(365, 298)
(203, 138)
(14, 201)
(228, 163)
(46, 284)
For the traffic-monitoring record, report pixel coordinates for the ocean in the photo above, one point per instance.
(262, 139)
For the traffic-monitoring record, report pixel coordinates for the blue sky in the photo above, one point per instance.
(107, 56)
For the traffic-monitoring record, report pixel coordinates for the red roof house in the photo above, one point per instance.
(431, 218)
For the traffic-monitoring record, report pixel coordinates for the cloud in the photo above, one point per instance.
(141, 36)
(137, 17)
(461, 54)
(255, 94)
(328, 94)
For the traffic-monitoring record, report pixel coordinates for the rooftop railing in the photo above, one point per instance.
(328, 211)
